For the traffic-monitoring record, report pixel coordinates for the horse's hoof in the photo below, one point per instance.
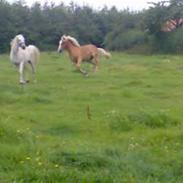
(22, 82)
(86, 74)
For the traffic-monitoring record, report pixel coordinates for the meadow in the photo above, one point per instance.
(123, 124)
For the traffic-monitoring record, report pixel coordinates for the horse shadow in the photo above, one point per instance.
(14, 89)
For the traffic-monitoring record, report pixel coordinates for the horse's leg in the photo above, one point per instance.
(21, 71)
(33, 70)
(78, 66)
(96, 62)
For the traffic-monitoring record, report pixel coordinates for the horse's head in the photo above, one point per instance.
(20, 40)
(62, 43)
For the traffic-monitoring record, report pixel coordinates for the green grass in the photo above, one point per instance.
(123, 124)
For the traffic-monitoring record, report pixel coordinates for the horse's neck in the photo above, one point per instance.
(14, 50)
(17, 54)
(72, 49)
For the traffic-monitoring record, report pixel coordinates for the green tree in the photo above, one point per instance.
(6, 28)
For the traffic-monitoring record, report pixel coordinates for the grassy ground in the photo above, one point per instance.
(122, 125)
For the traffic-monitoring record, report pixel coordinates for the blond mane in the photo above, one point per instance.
(73, 40)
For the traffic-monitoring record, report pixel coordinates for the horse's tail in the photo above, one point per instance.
(104, 52)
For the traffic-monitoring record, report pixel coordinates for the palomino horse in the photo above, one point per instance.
(78, 53)
(22, 56)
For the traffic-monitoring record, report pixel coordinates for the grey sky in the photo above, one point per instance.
(97, 4)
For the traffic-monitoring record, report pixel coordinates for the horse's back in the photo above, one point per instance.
(89, 50)
(32, 48)
(33, 53)
(89, 46)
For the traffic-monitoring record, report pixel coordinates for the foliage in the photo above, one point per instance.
(115, 29)
(155, 20)
(124, 40)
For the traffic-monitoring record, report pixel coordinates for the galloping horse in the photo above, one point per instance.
(78, 53)
(22, 56)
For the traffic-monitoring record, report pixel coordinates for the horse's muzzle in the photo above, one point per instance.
(22, 45)
(60, 50)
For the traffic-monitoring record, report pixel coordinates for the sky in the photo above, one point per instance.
(98, 4)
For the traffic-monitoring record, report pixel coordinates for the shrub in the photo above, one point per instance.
(124, 40)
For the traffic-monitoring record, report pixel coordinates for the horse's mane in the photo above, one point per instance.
(73, 40)
(13, 41)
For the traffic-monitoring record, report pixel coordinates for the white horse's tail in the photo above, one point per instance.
(103, 52)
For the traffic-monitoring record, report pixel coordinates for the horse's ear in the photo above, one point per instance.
(64, 37)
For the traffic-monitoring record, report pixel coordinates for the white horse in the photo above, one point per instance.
(22, 56)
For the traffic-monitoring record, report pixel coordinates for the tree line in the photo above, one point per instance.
(138, 31)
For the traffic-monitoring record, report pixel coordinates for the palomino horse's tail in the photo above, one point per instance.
(104, 52)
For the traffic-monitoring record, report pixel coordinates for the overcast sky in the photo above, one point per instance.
(97, 4)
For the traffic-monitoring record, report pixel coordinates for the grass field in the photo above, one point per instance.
(123, 124)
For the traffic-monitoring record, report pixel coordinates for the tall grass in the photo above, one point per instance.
(120, 125)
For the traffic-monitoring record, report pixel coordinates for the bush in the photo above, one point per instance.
(124, 40)
(177, 40)
(167, 42)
